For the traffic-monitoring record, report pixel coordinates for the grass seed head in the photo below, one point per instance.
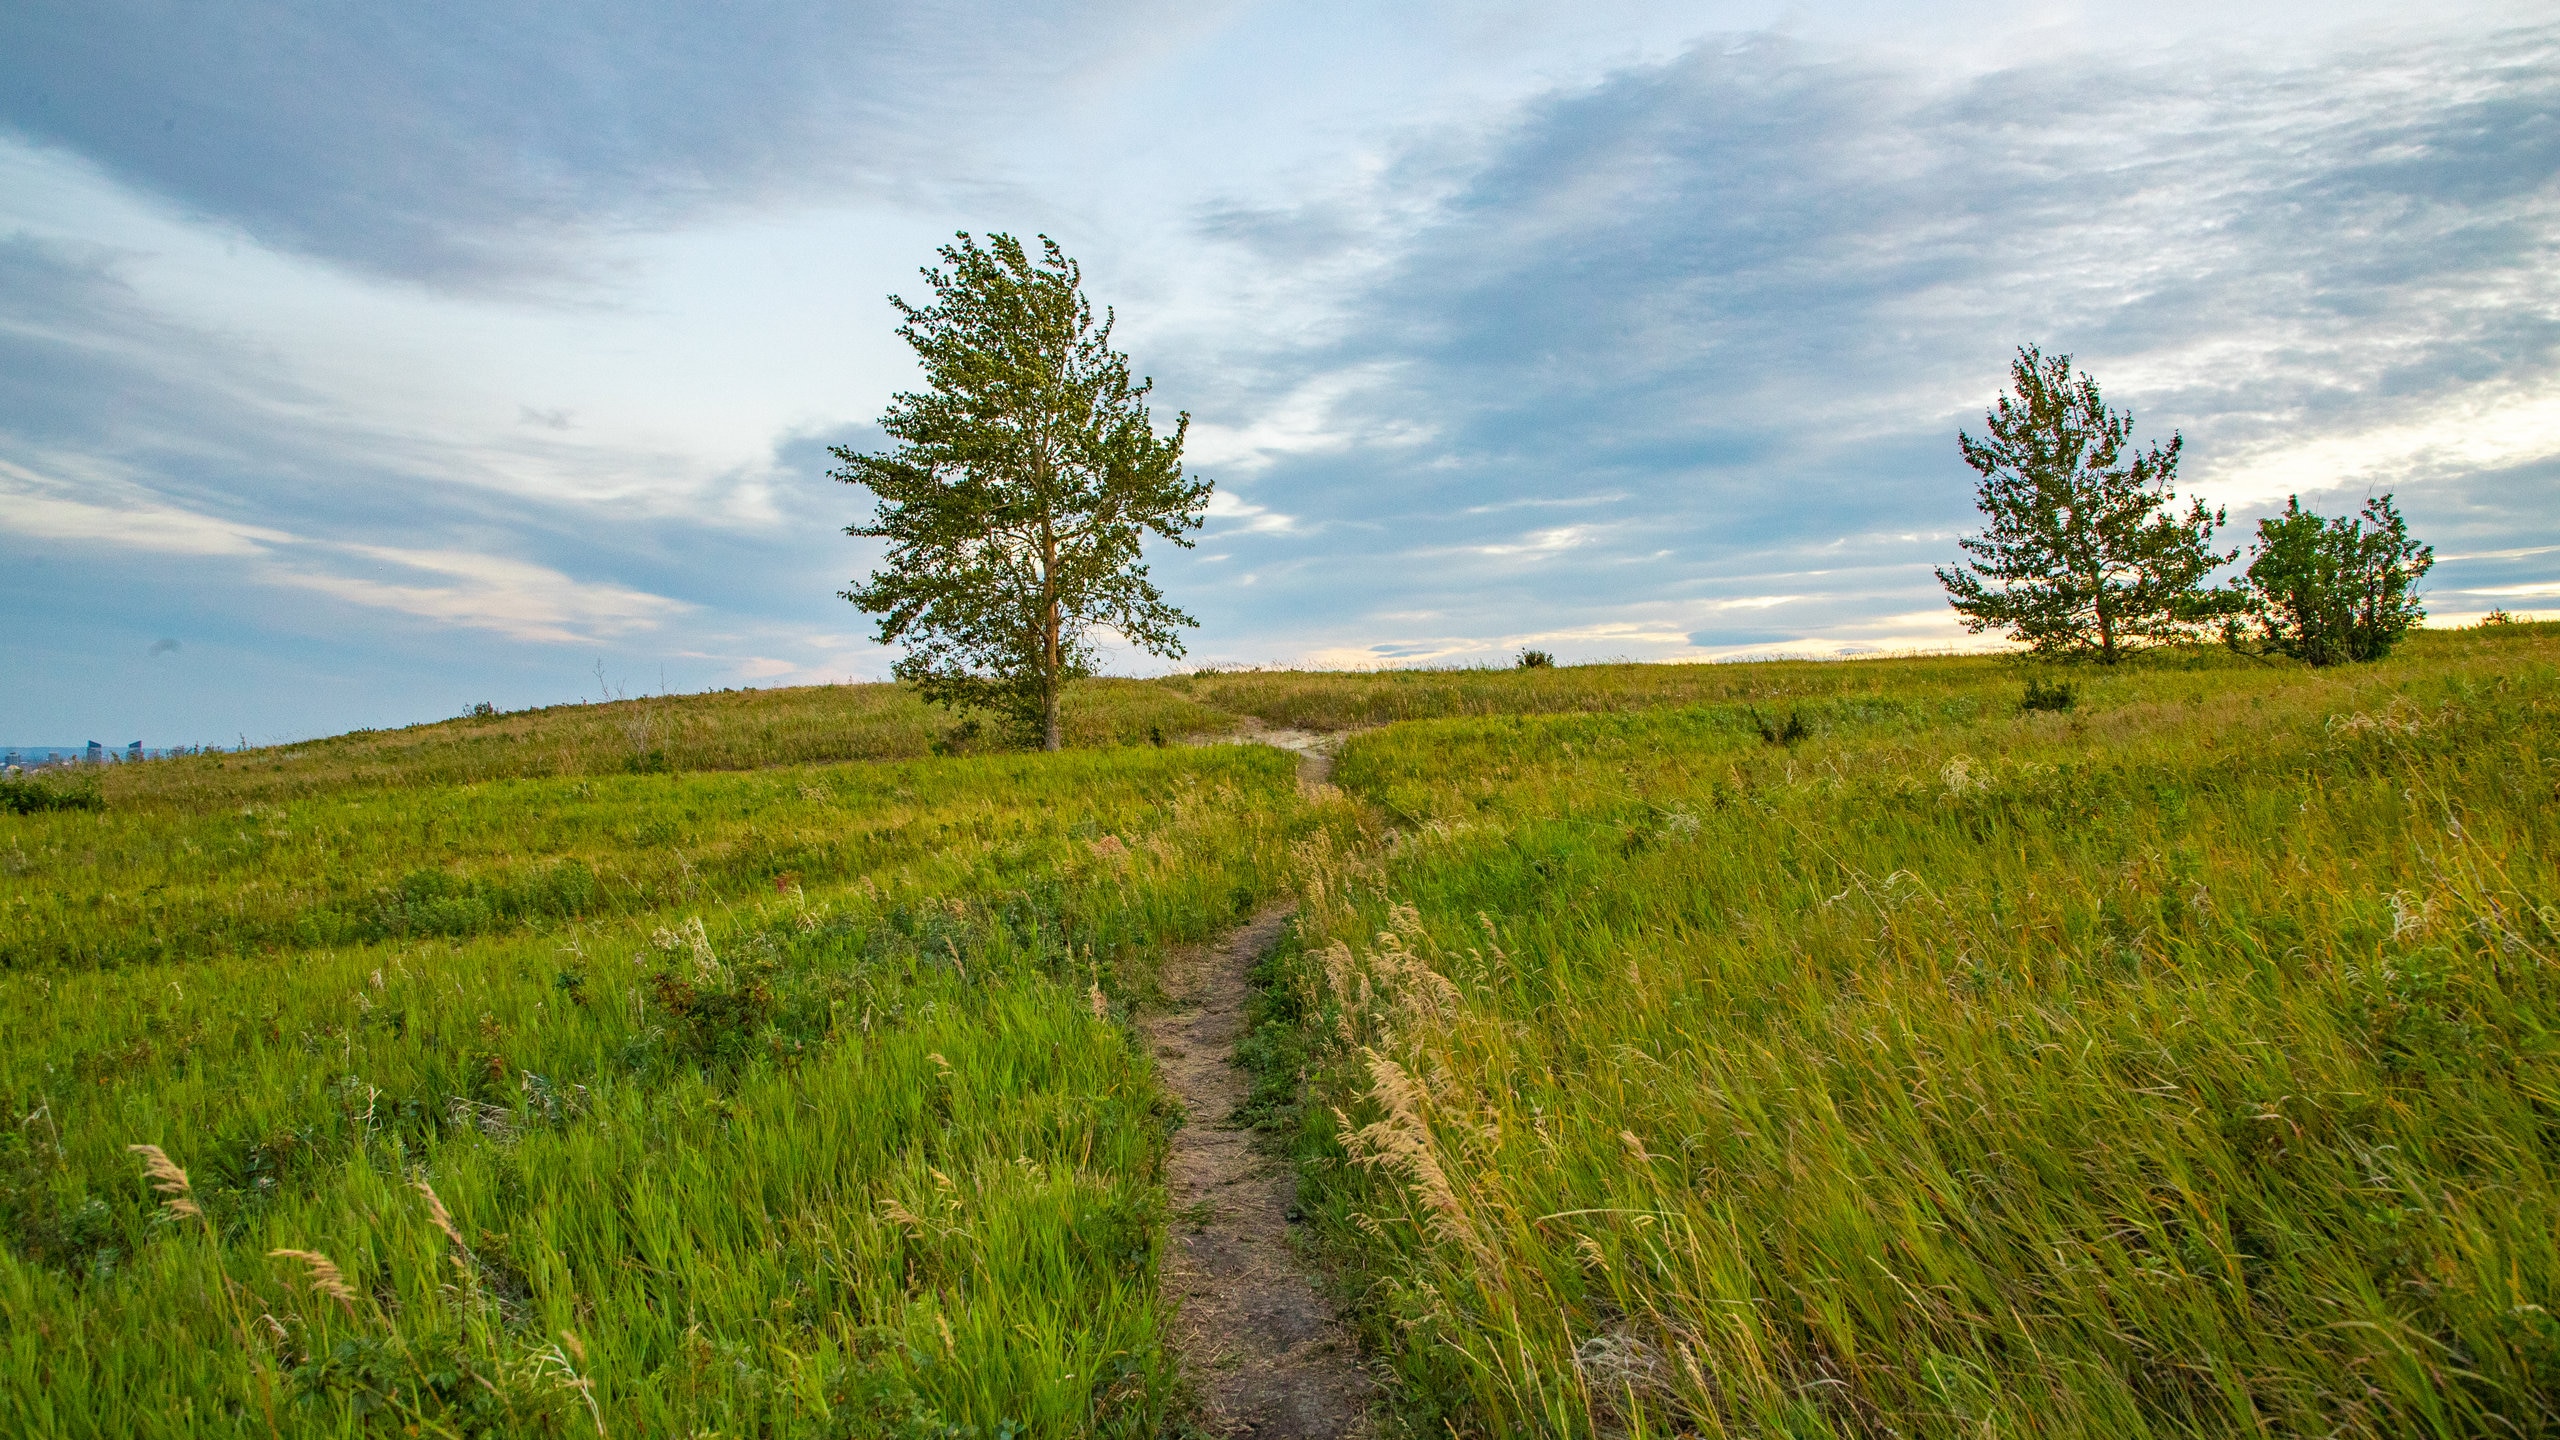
(1402, 1142)
(178, 1196)
(902, 1217)
(443, 1219)
(324, 1277)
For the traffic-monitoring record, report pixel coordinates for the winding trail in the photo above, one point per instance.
(1268, 1355)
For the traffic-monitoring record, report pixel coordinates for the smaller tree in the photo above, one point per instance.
(2083, 556)
(2330, 591)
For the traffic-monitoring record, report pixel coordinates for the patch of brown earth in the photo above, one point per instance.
(1263, 1347)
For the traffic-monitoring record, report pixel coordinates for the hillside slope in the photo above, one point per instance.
(1812, 1049)
(2185, 1063)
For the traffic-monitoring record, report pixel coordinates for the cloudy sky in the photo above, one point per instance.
(360, 363)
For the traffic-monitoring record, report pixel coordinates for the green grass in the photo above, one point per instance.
(871, 1150)
(1793, 1049)
(1345, 700)
(368, 864)
(725, 730)
(2182, 1064)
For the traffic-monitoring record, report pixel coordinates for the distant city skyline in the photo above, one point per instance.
(356, 367)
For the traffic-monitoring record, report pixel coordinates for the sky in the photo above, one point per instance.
(360, 364)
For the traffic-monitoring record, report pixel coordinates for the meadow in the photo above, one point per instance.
(2179, 1063)
(1809, 1049)
(835, 1127)
(647, 735)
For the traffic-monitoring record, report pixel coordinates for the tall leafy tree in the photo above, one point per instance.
(2083, 557)
(2332, 591)
(1024, 477)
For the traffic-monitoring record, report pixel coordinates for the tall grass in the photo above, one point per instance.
(1806, 1049)
(864, 1147)
(733, 730)
(359, 865)
(2184, 1064)
(1345, 700)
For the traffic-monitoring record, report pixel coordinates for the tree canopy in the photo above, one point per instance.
(1025, 476)
(2083, 557)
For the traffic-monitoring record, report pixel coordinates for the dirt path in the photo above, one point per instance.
(1268, 1354)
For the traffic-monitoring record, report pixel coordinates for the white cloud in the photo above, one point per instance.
(1550, 541)
(1546, 502)
(1310, 418)
(2484, 428)
(514, 598)
(1239, 513)
(41, 509)
(1753, 602)
(2538, 590)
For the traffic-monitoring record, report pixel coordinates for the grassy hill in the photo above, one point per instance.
(798, 1096)
(723, 730)
(2180, 1063)
(1806, 1049)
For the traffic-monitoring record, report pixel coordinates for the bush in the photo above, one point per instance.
(1789, 732)
(2327, 592)
(1536, 660)
(30, 795)
(961, 739)
(2048, 695)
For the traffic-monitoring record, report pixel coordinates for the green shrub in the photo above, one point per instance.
(35, 795)
(2327, 592)
(2043, 694)
(1786, 732)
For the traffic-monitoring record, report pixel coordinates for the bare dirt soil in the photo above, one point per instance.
(1269, 1356)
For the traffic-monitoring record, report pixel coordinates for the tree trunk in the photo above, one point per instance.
(2106, 621)
(1049, 683)
(1050, 658)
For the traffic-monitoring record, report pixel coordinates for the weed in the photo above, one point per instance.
(2043, 694)
(1787, 732)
